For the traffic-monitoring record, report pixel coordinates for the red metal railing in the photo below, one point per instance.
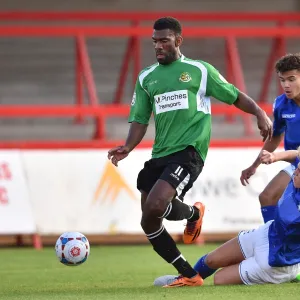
(102, 112)
(134, 29)
(84, 74)
(148, 16)
(40, 145)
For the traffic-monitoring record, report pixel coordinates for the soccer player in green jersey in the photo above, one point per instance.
(177, 90)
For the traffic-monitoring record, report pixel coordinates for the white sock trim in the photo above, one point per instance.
(192, 209)
(155, 234)
(167, 212)
(180, 256)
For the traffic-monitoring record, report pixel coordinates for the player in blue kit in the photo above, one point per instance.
(286, 125)
(269, 254)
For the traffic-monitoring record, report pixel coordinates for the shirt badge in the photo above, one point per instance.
(185, 77)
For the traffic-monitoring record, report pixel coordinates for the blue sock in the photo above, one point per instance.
(203, 269)
(268, 212)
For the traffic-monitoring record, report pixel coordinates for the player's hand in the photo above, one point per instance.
(118, 153)
(265, 126)
(267, 157)
(246, 174)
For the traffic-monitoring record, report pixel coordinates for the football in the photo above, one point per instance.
(72, 248)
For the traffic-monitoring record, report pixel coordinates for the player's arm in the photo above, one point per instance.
(219, 88)
(248, 105)
(278, 134)
(135, 135)
(269, 146)
(140, 113)
(269, 157)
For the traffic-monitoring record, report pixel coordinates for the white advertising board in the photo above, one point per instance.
(82, 190)
(15, 208)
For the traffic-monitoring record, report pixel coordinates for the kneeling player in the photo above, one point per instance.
(269, 254)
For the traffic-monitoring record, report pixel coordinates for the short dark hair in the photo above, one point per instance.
(168, 23)
(288, 62)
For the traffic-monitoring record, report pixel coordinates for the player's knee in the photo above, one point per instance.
(266, 198)
(155, 207)
(152, 209)
(210, 261)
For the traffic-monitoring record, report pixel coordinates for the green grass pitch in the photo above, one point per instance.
(114, 272)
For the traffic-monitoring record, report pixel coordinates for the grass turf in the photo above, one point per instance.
(114, 272)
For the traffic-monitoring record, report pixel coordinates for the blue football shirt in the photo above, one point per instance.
(287, 120)
(284, 232)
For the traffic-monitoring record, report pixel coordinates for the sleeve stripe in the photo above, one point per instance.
(201, 94)
(274, 104)
(144, 74)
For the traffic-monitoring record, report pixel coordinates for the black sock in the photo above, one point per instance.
(184, 268)
(195, 216)
(177, 210)
(165, 246)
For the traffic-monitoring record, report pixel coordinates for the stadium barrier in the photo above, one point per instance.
(131, 25)
(80, 190)
(101, 112)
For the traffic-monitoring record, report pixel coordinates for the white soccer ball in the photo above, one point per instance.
(72, 248)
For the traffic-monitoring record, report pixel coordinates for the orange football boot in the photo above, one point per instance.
(181, 281)
(193, 229)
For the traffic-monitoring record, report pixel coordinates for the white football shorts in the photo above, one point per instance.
(255, 269)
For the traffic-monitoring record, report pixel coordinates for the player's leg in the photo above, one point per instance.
(158, 200)
(176, 210)
(183, 169)
(228, 275)
(247, 272)
(256, 269)
(228, 254)
(190, 161)
(156, 196)
(249, 264)
(144, 197)
(273, 191)
(155, 206)
(174, 169)
(147, 178)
